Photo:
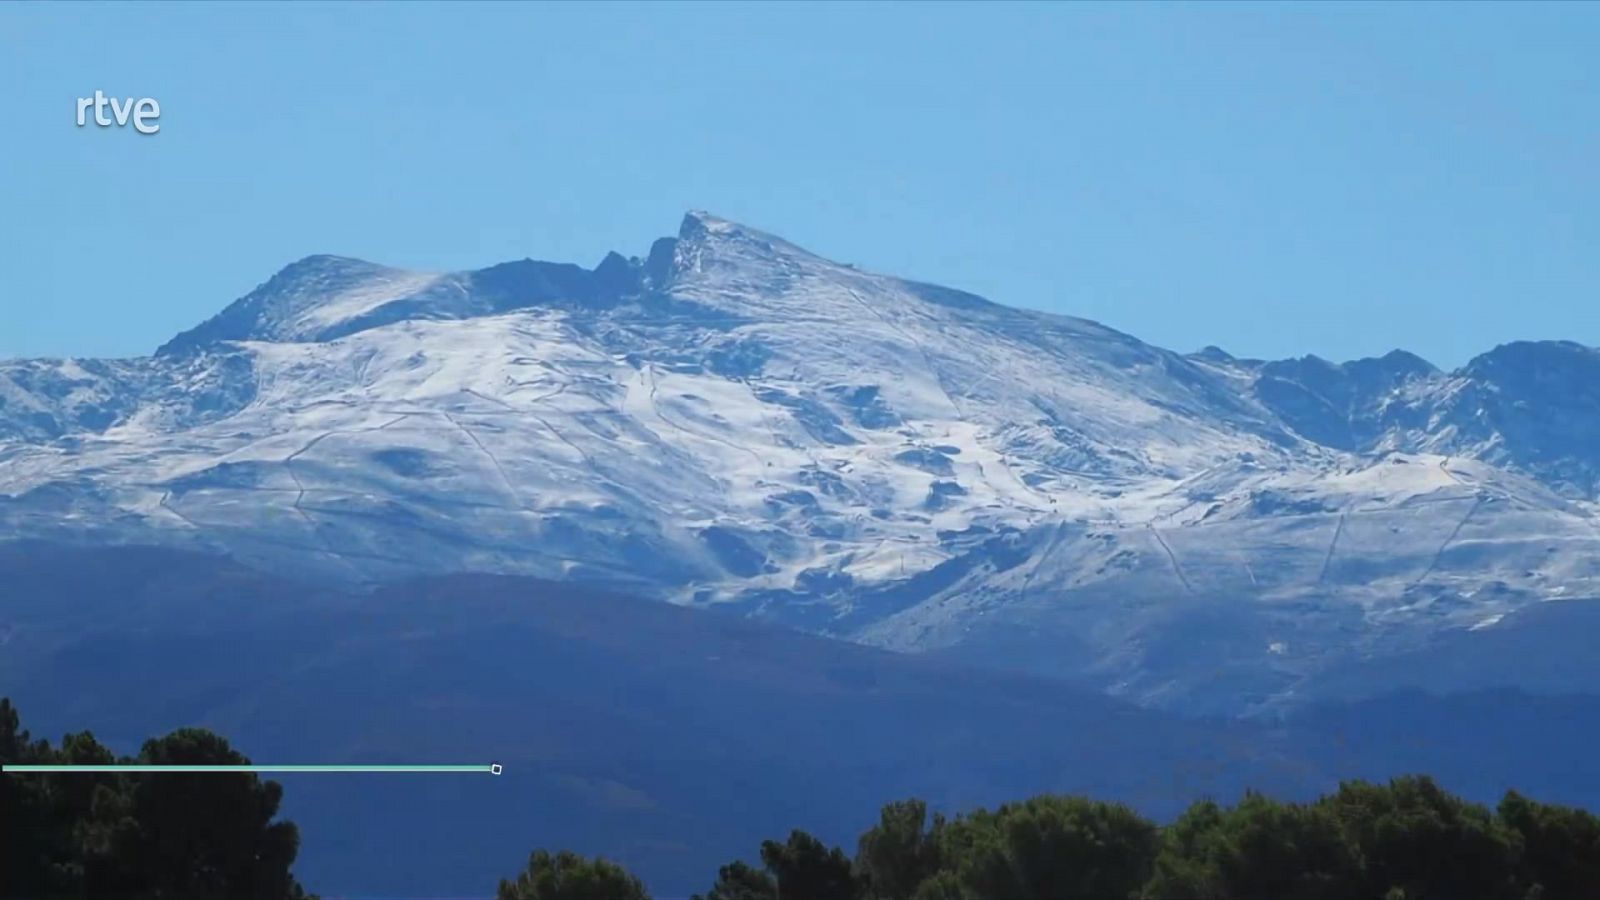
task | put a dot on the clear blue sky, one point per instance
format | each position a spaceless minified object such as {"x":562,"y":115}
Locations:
{"x":1275,"y":179}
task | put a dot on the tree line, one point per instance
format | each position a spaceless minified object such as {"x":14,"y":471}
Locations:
{"x":1405,"y":840}
{"x":173,"y":835}
{"x":138,"y":836}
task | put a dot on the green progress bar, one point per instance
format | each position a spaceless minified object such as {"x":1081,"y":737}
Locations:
{"x":490,"y":769}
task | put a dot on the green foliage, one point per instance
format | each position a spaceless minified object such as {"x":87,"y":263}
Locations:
{"x":806,"y":869}
{"x":34,"y":829}
{"x":1259,"y":850}
{"x":568,"y":876}
{"x":943,"y":886}
{"x":741,"y":881}
{"x":1412,"y":835}
{"x":1560,"y":848}
{"x":901,"y":852}
{"x":192,"y":835}
{"x":800,"y":868}
{"x":1051,"y":847}
{"x":1406,"y":840}
{"x":140,"y":836}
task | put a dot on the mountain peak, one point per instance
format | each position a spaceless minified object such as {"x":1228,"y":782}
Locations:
{"x":1405,"y":360}
{"x":319,"y":262}
{"x":696,"y":221}
{"x":704,"y":229}
{"x":709,"y":243}
{"x":1213,"y":353}
{"x":1533,"y":355}
{"x":314,"y":298}
{"x":325,"y":296}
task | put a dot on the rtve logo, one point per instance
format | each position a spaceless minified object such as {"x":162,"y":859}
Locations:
{"x":143,"y":112}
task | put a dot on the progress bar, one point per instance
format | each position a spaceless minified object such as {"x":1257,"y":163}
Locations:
{"x":488,"y":769}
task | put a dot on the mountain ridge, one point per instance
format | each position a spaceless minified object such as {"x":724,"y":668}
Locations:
{"x":734,"y":420}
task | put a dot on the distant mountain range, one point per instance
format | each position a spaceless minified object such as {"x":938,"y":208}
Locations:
{"x":670,"y":739}
{"x":732,"y":421}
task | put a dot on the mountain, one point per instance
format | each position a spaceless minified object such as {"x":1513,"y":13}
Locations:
{"x":732,"y":421}
{"x":1530,"y":406}
{"x":669,"y":738}
{"x":672,"y":739}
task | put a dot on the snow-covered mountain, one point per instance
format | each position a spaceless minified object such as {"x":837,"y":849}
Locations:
{"x":733,"y":420}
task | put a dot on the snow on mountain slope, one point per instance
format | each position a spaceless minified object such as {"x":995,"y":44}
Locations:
{"x":1530,"y":405}
{"x":1533,"y":406}
{"x":732,"y":419}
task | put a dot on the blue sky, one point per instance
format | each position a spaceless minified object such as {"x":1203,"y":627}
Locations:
{"x":1274,"y":179}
